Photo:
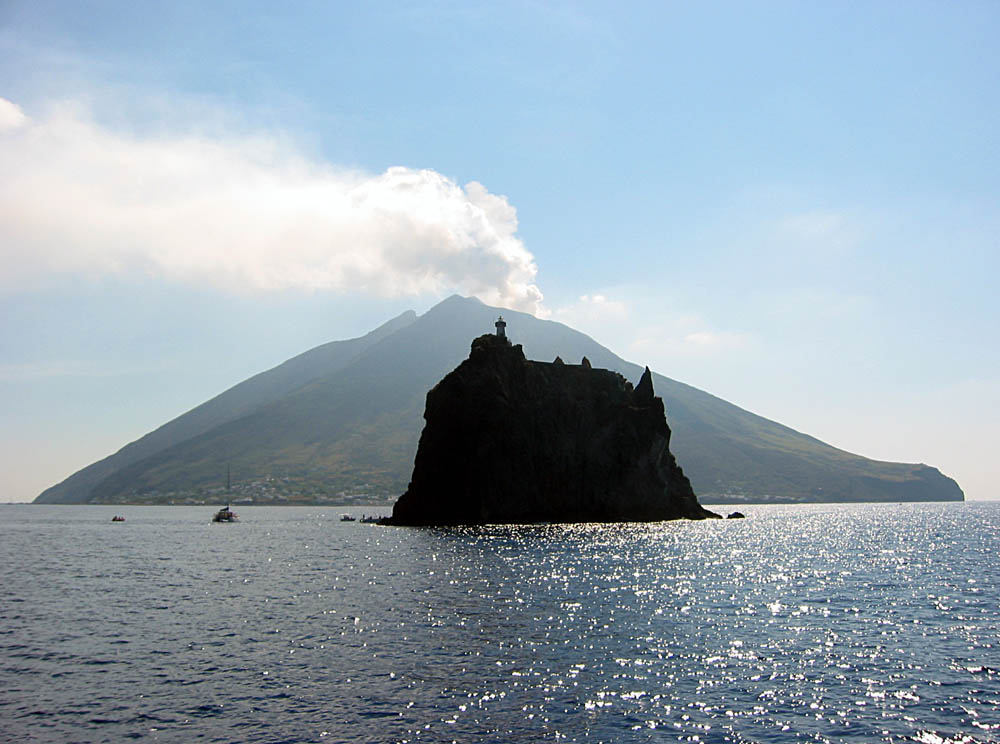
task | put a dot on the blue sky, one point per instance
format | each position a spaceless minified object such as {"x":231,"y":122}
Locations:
{"x":791,"y":205}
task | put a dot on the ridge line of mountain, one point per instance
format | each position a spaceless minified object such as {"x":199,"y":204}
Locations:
{"x":348,"y":431}
{"x":149,"y":444}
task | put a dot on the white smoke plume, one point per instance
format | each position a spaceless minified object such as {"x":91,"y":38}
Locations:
{"x":246,"y":213}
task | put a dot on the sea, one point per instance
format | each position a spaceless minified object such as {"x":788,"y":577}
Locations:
{"x":809,"y":623}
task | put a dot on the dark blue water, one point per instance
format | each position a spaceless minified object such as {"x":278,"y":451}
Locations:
{"x":820,"y":623}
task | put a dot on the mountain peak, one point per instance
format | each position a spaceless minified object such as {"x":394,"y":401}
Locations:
{"x":457,"y":299}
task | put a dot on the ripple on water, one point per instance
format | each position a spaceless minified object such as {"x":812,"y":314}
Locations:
{"x":834,"y":623}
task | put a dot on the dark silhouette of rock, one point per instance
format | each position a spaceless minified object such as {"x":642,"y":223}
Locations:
{"x":557,"y":360}
{"x":508,"y":440}
{"x":585,"y":363}
{"x":644,"y":390}
{"x":736,"y":515}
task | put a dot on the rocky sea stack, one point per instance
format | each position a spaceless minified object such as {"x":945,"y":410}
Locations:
{"x":507,"y":440}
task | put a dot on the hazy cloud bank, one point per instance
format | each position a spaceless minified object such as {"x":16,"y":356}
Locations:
{"x":645,"y":327}
{"x":244,"y":213}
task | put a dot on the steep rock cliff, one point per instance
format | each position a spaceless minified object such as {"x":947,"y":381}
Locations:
{"x":508,"y":440}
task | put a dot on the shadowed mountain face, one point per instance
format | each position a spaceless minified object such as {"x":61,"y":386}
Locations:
{"x":341,"y":423}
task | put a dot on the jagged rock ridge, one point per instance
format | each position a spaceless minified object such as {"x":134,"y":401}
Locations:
{"x":508,"y":440}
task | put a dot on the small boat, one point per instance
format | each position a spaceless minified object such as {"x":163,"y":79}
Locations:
{"x":225,"y":514}
{"x":117,"y":518}
{"x":366,"y":519}
{"x":347,"y":518}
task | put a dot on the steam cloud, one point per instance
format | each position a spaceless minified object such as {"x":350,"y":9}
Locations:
{"x":246,"y":213}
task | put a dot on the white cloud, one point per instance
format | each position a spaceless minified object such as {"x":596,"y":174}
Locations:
{"x":703,"y":339}
{"x":592,"y":308}
{"x":245,"y":213}
{"x":669,"y":341}
{"x":646,"y":328}
{"x":11,"y":116}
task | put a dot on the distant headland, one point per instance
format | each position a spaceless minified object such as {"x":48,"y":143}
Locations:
{"x":508,"y":440}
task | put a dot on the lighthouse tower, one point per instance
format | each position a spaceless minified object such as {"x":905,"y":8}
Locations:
{"x":501,"y":325}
